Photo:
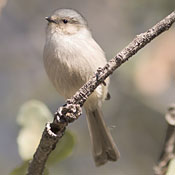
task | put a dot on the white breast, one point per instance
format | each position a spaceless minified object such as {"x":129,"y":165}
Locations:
{"x":70,"y":60}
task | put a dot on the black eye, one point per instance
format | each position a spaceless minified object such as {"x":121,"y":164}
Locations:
{"x":65,"y":21}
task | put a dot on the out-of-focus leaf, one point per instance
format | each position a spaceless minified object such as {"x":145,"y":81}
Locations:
{"x":22,"y":169}
{"x":63,"y":149}
{"x":154,"y":72}
{"x":33,"y":111}
{"x":32,"y":117}
{"x":2,"y":4}
{"x":171,"y":167}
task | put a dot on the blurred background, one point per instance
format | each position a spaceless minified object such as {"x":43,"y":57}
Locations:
{"x":141,"y":89}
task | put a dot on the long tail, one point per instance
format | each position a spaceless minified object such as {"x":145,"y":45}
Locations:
{"x":103,"y":145}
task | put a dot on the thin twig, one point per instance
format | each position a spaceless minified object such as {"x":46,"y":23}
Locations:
{"x":168,"y":152}
{"x":72,"y":109}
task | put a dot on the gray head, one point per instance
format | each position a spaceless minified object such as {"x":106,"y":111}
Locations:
{"x":66,"y":21}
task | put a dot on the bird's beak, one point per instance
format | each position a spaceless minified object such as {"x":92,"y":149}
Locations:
{"x":49,"y":19}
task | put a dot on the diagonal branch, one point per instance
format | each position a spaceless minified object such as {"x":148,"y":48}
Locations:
{"x":72,"y":109}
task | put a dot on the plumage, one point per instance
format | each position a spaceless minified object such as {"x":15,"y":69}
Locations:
{"x":71,"y":56}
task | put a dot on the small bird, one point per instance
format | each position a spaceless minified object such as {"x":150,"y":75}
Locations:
{"x":71,"y":56}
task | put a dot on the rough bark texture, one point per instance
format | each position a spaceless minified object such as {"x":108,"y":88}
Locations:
{"x":72,"y":109}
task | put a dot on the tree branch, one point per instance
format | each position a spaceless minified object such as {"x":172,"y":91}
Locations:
{"x":72,"y":109}
{"x":168,"y":152}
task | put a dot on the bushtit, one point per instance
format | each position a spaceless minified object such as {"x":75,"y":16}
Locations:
{"x":71,"y":56}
